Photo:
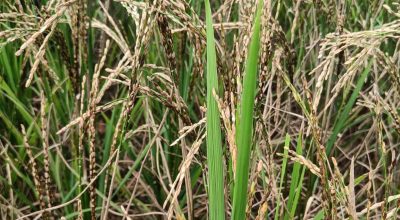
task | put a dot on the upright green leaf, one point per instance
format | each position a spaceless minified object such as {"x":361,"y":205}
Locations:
{"x":245,"y":125}
{"x":296,"y":182}
{"x":214,"y":147}
{"x":283,"y":173}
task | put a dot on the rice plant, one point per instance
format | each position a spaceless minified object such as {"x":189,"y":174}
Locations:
{"x":178,"y":109}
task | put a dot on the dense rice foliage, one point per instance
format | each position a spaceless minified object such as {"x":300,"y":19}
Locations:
{"x":199,"y":109}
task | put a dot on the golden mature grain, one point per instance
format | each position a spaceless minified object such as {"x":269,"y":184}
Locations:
{"x":40,"y":54}
{"x":306,"y":162}
{"x":92,"y":162}
{"x":34,"y":168}
{"x":266,"y":49}
{"x":92,"y":130}
{"x":86,"y":115}
{"x":247,"y":10}
{"x":80,"y":212}
{"x":177,"y":184}
{"x":82,"y":30}
{"x":167,"y":42}
{"x":45,"y":144}
{"x":254,"y":174}
{"x":81,"y":155}
{"x":61,"y":8}
{"x":229,"y":129}
{"x":75,"y":67}
{"x":198,"y":66}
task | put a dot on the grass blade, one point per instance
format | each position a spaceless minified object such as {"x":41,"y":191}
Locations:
{"x":343,"y":116}
{"x":245,"y":125}
{"x":283,"y":172}
{"x":320,"y":215}
{"x":296,"y":182}
{"x":214,"y":147}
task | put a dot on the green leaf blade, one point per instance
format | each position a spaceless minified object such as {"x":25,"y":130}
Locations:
{"x":245,"y":125}
{"x":214,"y":146}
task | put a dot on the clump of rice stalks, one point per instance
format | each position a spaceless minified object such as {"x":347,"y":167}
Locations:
{"x":105,"y":111}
